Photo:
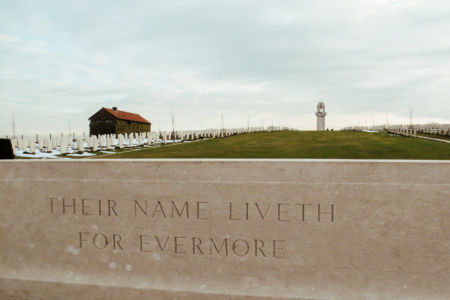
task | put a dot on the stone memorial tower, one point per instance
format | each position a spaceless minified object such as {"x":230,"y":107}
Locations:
{"x":321,"y":116}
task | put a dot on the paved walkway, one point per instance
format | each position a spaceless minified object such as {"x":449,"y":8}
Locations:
{"x":433,"y":139}
{"x":421,"y":137}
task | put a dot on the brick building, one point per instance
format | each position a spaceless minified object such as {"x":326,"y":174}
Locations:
{"x":113,"y":121}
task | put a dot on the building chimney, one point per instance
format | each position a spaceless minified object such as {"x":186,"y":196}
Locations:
{"x":115,"y":108}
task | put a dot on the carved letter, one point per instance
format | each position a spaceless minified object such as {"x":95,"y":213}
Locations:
{"x":280,"y":212}
{"x":136,"y":205}
{"x":51,"y":204}
{"x":185,"y":206}
{"x":178,"y":245}
{"x":67,"y":206}
{"x":111,"y":207}
{"x":275,"y":248}
{"x":259,"y":247}
{"x":141,"y":239}
{"x":84,"y":207}
{"x":265,"y":213}
{"x":160,"y":210}
{"x":159,"y":243}
{"x":235,"y":247}
{"x":224,"y":243}
{"x":104,"y":238}
{"x":303,"y":210}
{"x":116,"y":241}
{"x":201,"y":210}
{"x":196,"y":242}
{"x":231,"y":211}
{"x":81,"y":238}
{"x":325,"y":213}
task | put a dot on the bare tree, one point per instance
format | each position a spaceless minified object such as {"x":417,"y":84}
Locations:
{"x":222,"y":126}
{"x":70,"y":130}
{"x":172,"y":118}
{"x":14,"y":127}
{"x":410,"y":118}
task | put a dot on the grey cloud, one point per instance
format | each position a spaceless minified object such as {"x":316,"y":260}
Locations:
{"x":265,"y":59}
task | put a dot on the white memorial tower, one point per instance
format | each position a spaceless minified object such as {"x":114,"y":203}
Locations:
{"x":321,"y":116}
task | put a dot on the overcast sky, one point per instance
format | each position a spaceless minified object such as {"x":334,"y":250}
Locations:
{"x":267,"y":61}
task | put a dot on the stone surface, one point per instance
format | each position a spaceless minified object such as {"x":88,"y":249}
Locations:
{"x":314,"y":229}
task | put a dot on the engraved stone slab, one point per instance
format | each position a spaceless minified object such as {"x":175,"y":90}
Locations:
{"x":221,"y":229}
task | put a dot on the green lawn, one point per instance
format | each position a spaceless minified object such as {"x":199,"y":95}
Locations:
{"x":301,"y":144}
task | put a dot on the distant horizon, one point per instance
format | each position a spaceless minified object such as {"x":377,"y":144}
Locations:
{"x":370,"y":62}
{"x":57,"y":133}
{"x":389,"y":120}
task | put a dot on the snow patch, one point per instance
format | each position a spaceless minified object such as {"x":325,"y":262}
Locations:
{"x":156,"y":256}
{"x":81,"y":154}
{"x":112,"y":265}
{"x":72,"y":250}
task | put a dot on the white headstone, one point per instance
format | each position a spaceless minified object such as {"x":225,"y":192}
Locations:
{"x":32,"y":146}
{"x":120,"y":141}
{"x":108,"y":143}
{"x":50,"y":145}
{"x":63,"y":147}
{"x":95,"y":144}
{"x":80,"y":145}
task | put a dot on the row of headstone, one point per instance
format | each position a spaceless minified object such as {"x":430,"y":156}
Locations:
{"x":404,"y":131}
{"x":439,"y":131}
{"x":44,"y":145}
{"x":433,"y":128}
{"x":71,"y":143}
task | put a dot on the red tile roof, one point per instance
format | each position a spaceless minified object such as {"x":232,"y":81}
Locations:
{"x":123,"y":115}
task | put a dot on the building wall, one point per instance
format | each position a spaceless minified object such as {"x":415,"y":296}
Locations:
{"x":102,"y":123}
{"x":99,"y":127}
{"x":123,"y":126}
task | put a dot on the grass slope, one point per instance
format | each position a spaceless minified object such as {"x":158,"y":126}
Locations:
{"x":301,"y":144}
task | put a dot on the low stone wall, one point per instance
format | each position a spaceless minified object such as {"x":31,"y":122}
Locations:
{"x":6,"y":149}
{"x":208,"y":229}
